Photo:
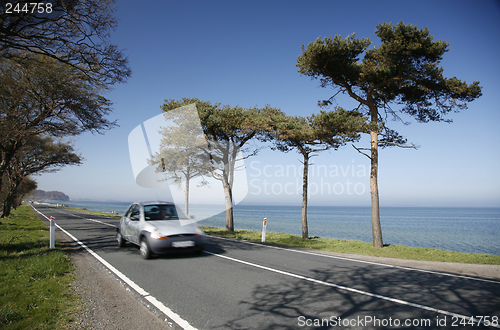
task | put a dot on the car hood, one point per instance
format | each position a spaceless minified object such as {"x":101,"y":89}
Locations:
{"x":174,"y":227}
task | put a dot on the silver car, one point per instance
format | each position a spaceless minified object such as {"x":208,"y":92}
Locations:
{"x":159,"y":228}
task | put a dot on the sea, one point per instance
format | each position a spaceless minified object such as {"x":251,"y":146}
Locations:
{"x":475,"y":229}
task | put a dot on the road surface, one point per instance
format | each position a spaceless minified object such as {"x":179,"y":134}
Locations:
{"x":239,"y":285}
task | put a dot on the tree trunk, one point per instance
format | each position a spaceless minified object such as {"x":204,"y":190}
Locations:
{"x":6,"y":154}
{"x":305,"y":231}
{"x":376,"y":228}
{"x":228,"y":196}
{"x":7,"y":206}
{"x":10,"y":198}
{"x":186,"y":197}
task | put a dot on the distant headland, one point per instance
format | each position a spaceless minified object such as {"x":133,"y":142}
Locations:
{"x":41,"y":195}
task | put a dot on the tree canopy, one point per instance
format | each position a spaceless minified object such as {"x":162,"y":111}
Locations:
{"x":403,"y":70}
{"x":37,"y":155}
{"x":56,"y":61}
{"x":72,"y":32}
{"x":227,"y":130}
{"x":399,"y":76}
{"x":51,"y":99}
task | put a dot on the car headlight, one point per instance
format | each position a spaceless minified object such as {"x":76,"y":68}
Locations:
{"x":156,"y":234}
{"x":200,"y":231}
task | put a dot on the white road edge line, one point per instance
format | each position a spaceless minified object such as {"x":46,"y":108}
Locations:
{"x":98,"y":221}
{"x":341,"y":287}
{"x":363,"y":261}
{"x":164,"y":309}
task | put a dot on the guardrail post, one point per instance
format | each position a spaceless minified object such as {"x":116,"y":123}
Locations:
{"x":52,"y":233}
{"x":264,"y":225}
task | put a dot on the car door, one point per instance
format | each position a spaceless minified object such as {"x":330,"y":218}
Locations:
{"x":134,"y":224}
{"x":125,"y":223}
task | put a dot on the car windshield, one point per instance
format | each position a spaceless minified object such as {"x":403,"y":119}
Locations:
{"x":162,"y":212}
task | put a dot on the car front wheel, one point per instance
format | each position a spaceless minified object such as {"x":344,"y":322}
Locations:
{"x":121,"y":241}
{"x":144,"y":247}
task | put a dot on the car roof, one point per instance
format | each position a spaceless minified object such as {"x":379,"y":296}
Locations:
{"x":155,"y":203}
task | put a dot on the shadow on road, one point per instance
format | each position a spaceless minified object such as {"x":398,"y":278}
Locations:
{"x":296,"y":303}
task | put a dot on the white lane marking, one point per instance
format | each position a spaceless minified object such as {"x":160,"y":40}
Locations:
{"x":167,"y":311}
{"x":363,"y":261}
{"x":341,"y":287}
{"x":94,"y":220}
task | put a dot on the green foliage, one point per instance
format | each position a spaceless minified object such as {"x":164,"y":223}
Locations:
{"x":35,"y":291}
{"x":37,"y":155}
{"x":357,"y":247}
{"x":228,"y":123}
{"x":54,"y":67}
{"x":42,"y":98}
{"x":40,"y":95}
{"x":329,"y":59}
{"x":76,"y":33}
{"x":317,"y":132}
{"x":404,"y":69}
{"x":227,"y":130}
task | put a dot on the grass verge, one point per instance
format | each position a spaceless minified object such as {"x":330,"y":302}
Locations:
{"x":357,"y":247}
{"x":36,"y":281}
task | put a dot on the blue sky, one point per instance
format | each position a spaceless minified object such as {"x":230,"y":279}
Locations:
{"x":244,"y":53}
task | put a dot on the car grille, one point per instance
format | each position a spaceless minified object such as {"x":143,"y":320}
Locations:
{"x":183,"y":235}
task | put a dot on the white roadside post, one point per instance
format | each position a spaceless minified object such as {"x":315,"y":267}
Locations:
{"x":264,"y":225}
{"x":52,"y":233}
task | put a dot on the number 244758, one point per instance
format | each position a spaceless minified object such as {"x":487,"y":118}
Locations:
{"x":28,"y":7}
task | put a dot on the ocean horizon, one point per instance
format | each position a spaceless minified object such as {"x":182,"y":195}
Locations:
{"x":462,"y":229}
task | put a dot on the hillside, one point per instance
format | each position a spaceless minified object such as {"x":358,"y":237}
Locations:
{"x":41,"y":195}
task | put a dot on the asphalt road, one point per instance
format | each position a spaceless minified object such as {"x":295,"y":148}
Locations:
{"x":238,"y":285}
